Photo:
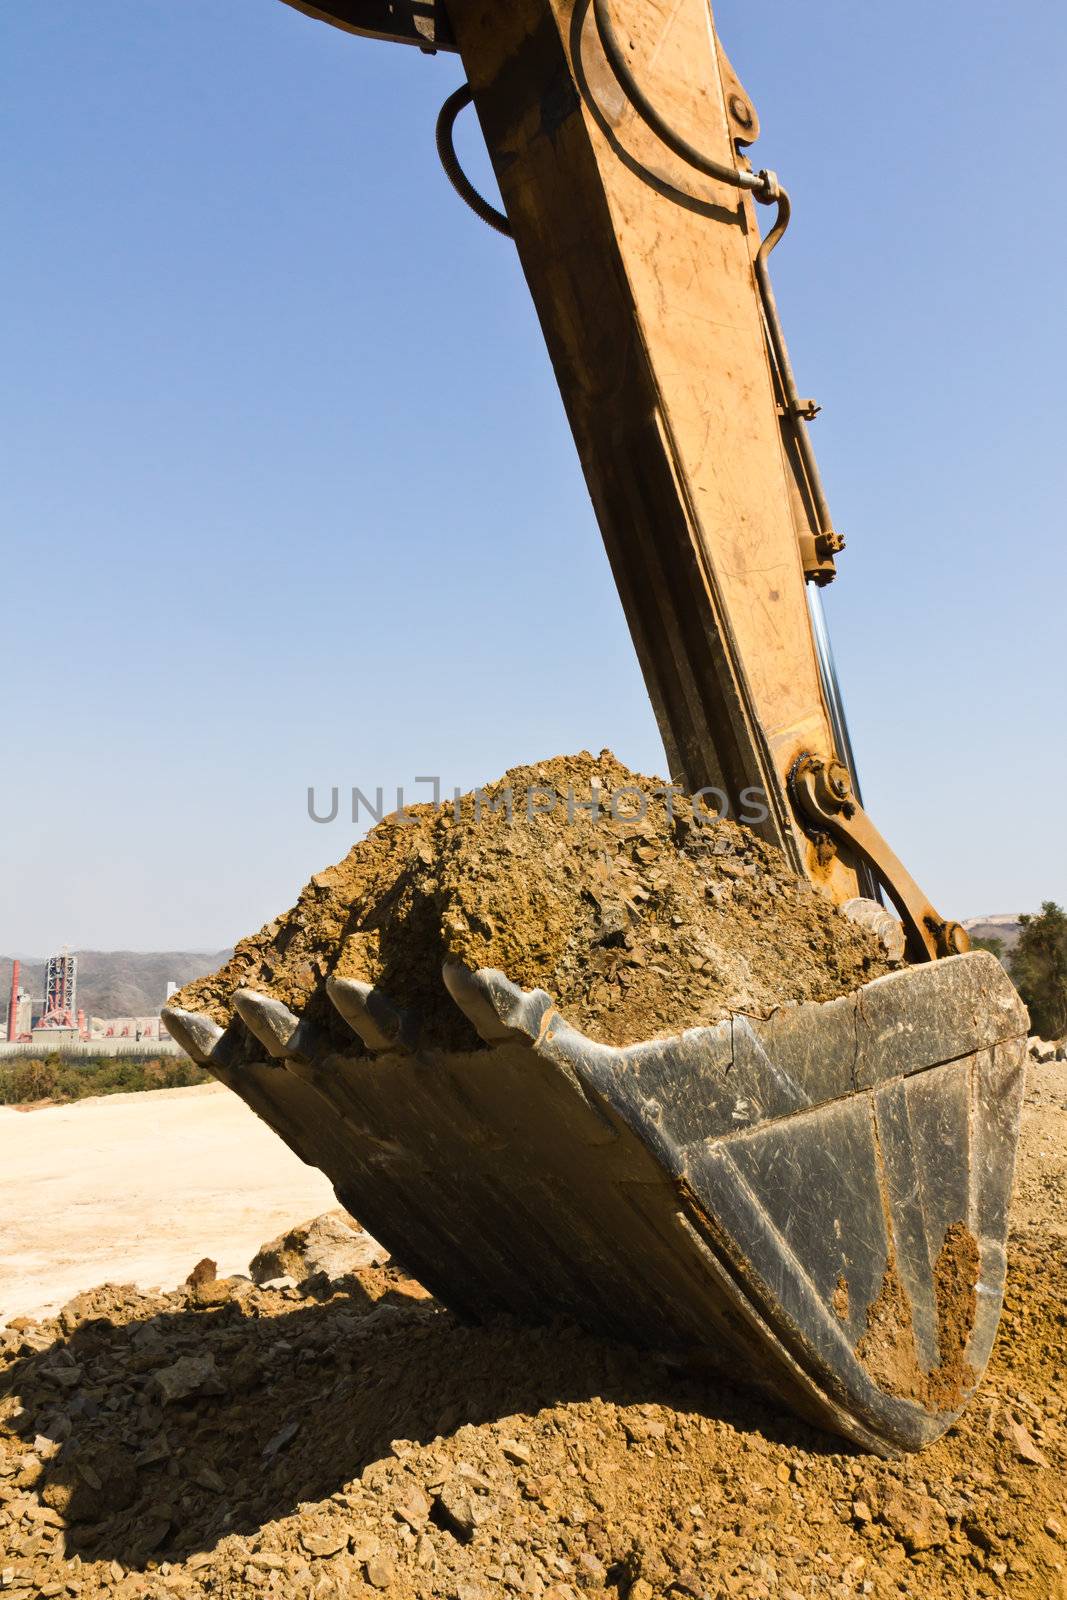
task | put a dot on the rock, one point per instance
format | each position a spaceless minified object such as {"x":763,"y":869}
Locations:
{"x":205,"y":1271}
{"x":1022,"y":1444}
{"x":1042,"y":1050}
{"x":157,"y":1448}
{"x":280,"y":1439}
{"x":412,"y":1506}
{"x":592,"y":1570}
{"x":63,"y":1370}
{"x":268,"y":1561}
{"x":365,"y":1546}
{"x":380,"y":1570}
{"x":471,"y":1475}
{"x":28,"y":1471}
{"x":640,"y":1430}
{"x":324,"y":1545}
{"x":332,"y":1244}
{"x":152,"y":1528}
{"x":976,"y":1531}
{"x":519,"y":1453}
{"x":455,"y":1508}
{"x":87,"y":1484}
{"x":218,"y":1291}
{"x":916,"y":1520}
{"x":189,"y":1378}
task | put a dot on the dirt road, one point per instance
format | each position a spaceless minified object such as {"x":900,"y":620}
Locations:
{"x":136,"y":1188}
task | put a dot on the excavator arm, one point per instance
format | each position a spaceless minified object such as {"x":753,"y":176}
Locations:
{"x":618,"y":136}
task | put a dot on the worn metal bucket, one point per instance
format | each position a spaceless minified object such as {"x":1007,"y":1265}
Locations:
{"x":816,"y":1203}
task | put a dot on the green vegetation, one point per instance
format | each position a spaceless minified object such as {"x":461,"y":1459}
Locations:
{"x":994,"y":946}
{"x":63,"y":1078}
{"x":1038,"y":966}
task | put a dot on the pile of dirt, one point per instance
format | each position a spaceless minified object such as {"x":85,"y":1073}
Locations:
{"x":638,"y":916}
{"x":352,"y":1439}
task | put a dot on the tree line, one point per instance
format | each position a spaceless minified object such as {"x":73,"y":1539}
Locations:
{"x":1038,"y":968}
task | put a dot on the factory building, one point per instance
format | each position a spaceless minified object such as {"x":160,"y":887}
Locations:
{"x":147,"y":1028}
{"x":63,"y":1024}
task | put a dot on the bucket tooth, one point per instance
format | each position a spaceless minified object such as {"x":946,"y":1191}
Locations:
{"x":196,"y":1033}
{"x":371,"y":1015}
{"x":499,"y":1011}
{"x":278,"y":1030}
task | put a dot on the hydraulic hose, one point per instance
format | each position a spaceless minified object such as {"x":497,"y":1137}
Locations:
{"x":446,"y":149}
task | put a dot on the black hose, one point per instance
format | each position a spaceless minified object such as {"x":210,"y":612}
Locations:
{"x":790,"y":393}
{"x":446,"y":149}
{"x":762,"y":184}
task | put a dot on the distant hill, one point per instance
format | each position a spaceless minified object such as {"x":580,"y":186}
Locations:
{"x":1005,"y":928}
{"x":118,"y":983}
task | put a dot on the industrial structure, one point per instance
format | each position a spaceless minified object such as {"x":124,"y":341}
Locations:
{"x":62,"y":1024}
{"x":19,"y":1009}
{"x":148,"y":1029}
{"x":60,"y":992}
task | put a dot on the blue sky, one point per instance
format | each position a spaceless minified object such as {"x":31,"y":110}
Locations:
{"x":289,"y":498}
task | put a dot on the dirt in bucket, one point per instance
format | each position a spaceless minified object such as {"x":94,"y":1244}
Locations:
{"x":638,"y":916}
{"x":575,"y":876}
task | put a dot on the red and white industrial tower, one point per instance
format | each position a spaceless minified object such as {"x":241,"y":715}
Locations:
{"x":13,"y":1008}
{"x":60,"y":991}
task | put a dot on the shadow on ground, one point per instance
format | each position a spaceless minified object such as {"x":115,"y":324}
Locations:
{"x":290,"y":1408}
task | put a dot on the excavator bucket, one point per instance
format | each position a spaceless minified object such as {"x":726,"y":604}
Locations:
{"x":815,"y":1203}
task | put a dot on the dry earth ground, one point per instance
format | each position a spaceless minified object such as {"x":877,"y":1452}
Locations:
{"x":353,"y":1440}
